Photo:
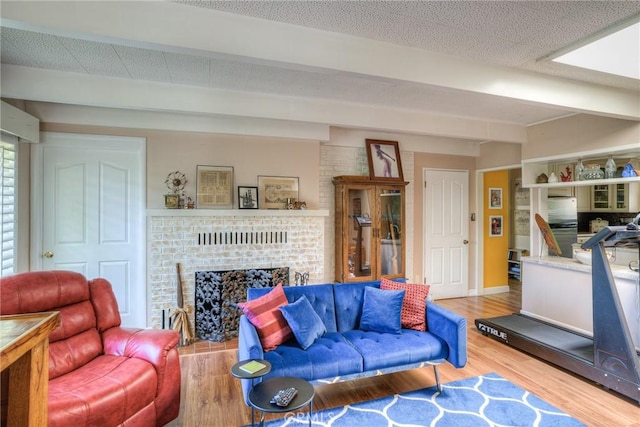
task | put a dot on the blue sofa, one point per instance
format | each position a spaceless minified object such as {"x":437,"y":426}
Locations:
{"x":346,"y":353}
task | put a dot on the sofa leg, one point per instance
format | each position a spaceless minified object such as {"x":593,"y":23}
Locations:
{"x":438,"y":383}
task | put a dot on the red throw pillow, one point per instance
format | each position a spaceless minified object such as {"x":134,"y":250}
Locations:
{"x":264,"y":314}
{"x":413,"y":314}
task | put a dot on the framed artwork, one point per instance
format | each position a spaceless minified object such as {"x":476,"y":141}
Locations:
{"x":277,"y":192}
{"x":495,"y":198}
{"x":247,"y":197}
{"x":495,"y":225}
{"x":171,"y":201}
{"x":384,"y":160}
{"x":214,"y":187}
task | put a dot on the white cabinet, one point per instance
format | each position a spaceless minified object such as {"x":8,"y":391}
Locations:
{"x":615,"y":197}
{"x":583,"y":196}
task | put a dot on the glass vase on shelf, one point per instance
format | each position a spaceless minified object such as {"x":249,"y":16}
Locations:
{"x":579,"y":170}
{"x":610,"y":168}
{"x":593,"y":172}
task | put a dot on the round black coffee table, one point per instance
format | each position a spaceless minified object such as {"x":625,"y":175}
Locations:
{"x":260,"y":396}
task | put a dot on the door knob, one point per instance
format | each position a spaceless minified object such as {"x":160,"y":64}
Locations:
{"x":466,"y":242}
{"x":48,"y":254}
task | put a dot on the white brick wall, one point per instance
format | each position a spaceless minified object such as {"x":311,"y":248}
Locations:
{"x":174,"y":239}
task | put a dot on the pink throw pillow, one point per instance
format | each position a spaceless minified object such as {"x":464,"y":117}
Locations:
{"x":264,"y":314}
{"x":414,"y":306}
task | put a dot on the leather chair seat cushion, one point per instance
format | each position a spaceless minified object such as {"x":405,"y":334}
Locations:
{"x":329,"y":356}
{"x":380,"y":350}
{"x":106,"y":391}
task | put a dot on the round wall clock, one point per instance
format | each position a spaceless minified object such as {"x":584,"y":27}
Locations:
{"x":175,"y":181}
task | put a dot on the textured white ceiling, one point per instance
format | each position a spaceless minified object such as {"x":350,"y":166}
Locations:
{"x":505,"y":33}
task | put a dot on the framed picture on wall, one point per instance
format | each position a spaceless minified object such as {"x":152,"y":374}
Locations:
{"x":384,"y":160}
{"x":214,"y":187}
{"x":495,"y":225}
{"x":277,"y":192}
{"x":247,"y":197}
{"x":495,"y":198}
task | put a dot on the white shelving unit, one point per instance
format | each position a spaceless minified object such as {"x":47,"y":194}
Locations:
{"x":514,"y":262}
{"x":532,"y":168}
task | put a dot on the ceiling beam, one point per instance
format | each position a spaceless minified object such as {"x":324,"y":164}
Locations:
{"x":33,"y":84}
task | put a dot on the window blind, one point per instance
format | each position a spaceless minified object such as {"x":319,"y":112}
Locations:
{"x":8,"y":200}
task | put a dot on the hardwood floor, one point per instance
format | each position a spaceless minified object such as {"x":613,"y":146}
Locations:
{"x":211,"y":397}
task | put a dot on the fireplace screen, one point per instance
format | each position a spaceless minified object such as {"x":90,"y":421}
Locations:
{"x":218,"y":292}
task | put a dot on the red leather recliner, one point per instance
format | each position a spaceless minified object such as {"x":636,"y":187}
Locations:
{"x":99,"y":373}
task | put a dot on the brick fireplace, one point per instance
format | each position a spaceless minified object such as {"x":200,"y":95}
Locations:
{"x":207,"y":240}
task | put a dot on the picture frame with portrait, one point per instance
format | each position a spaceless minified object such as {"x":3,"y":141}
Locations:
{"x":384,"y":160}
{"x":495,"y":225}
{"x":495,"y":198}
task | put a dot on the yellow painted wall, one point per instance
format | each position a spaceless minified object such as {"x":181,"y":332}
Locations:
{"x":496,"y":247}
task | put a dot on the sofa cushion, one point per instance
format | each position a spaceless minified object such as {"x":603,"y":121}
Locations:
{"x":304,"y":322}
{"x":414,"y":305}
{"x":320,"y":297}
{"x":349,"y":297}
{"x":381,"y":351}
{"x":46,"y":291}
{"x":264,"y":314}
{"x":381,"y":310}
{"x":106,"y":392}
{"x":330,"y":356}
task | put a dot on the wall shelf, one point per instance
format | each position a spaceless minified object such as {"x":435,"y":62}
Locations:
{"x":532,"y":168}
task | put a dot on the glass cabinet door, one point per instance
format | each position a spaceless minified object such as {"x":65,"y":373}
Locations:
{"x":600,"y":199}
{"x":620,"y":196}
{"x":360,"y":237}
{"x":390,"y":238}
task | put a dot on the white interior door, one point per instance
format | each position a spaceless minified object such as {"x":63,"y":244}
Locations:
{"x":92,"y":213}
{"x":446,"y":240}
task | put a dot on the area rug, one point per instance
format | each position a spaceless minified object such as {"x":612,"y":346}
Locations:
{"x":486,"y":400}
{"x":218,"y":292}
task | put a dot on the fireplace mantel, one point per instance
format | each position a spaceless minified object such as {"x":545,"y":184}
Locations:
{"x":238,"y":212}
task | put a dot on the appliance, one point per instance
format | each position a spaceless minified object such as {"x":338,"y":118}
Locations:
{"x":597,"y":225}
{"x":563,"y":222}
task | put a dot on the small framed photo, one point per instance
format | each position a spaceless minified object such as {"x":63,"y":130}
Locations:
{"x":171,"y":201}
{"x":495,"y":198}
{"x":247,"y":197}
{"x":277,"y":192}
{"x":495,"y":225}
{"x":214,"y":187}
{"x":384,"y":160}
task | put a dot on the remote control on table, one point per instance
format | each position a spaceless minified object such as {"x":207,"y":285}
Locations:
{"x":284,"y":396}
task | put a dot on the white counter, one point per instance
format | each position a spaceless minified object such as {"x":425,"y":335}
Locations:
{"x":558,"y":290}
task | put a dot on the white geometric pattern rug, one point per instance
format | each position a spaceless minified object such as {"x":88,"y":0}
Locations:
{"x":486,"y":400}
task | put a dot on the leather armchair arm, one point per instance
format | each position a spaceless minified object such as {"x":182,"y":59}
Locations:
{"x":151,"y":345}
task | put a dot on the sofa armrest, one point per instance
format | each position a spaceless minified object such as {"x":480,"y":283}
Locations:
{"x":249,"y":347}
{"x":452,"y":328}
{"x":151,"y":345}
{"x":157,"y":347}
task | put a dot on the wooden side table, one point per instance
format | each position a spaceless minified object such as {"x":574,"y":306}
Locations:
{"x":24,"y":351}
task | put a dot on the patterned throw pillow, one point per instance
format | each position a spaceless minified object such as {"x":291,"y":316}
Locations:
{"x":414,"y":306}
{"x":264,"y":313}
